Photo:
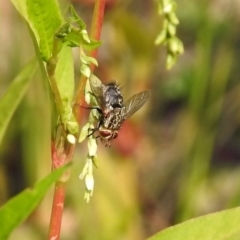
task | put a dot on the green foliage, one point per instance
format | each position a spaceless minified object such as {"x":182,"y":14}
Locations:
{"x":16,"y":210}
{"x":64,"y":74}
{"x":196,"y":123}
{"x":167,"y":36}
{"x":221,"y":226}
{"x":45,"y":19}
{"x":55,"y":39}
{"x":21,"y":6}
{"x":14,"y":94}
{"x":76,"y":36}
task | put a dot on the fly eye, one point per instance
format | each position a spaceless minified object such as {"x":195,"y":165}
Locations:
{"x":105,"y":133}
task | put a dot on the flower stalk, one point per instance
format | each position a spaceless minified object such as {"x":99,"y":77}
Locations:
{"x":62,"y":149}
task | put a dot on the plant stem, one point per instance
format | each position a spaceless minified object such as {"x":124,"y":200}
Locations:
{"x":57,"y":211}
{"x":60,"y":157}
{"x":64,"y":153}
{"x":96,"y":29}
{"x":51,"y":66}
{"x":97,"y":23}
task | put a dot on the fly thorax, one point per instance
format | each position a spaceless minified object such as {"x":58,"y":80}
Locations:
{"x":112,"y":96}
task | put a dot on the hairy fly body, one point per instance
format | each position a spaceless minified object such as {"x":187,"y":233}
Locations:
{"x":113,"y":111}
{"x":107,"y":96}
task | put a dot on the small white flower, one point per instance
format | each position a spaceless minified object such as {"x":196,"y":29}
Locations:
{"x":84,"y":132}
{"x":92,"y":146}
{"x":71,"y":138}
{"x":89,"y":181}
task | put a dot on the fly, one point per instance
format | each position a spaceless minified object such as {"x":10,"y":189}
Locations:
{"x":108,"y":96}
{"x":113,"y":111}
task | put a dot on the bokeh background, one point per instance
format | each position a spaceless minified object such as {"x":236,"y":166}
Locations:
{"x":177,"y":158}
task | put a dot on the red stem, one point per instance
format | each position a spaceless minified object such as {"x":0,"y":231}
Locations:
{"x":96,"y":29}
{"x":97,"y":23}
{"x":60,"y":157}
{"x":57,"y":211}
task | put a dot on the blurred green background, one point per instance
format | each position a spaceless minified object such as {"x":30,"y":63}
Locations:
{"x":176,"y":159}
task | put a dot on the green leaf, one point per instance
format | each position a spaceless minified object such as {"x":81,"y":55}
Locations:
{"x":21,"y":7}
{"x":14,"y":94}
{"x":76,"y":39}
{"x":79,"y":21}
{"x":72,"y":39}
{"x":65,"y":80}
{"x":64,"y":74}
{"x":223,"y":225}
{"x":93,"y":44}
{"x":45,"y":20}
{"x":18,"y":208}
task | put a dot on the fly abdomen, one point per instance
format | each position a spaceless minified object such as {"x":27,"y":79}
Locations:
{"x":114,"y":119}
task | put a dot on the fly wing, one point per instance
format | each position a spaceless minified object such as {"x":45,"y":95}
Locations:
{"x":135,"y":102}
{"x":97,"y":90}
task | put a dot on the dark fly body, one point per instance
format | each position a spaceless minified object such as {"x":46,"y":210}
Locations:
{"x":107,"y":96}
{"x":112,"y":109}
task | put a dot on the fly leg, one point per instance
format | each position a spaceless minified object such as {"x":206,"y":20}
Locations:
{"x":90,"y":108}
{"x":91,"y":131}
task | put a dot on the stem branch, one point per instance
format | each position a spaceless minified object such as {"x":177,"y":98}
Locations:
{"x":57,"y":211}
{"x":51,"y":66}
{"x":97,"y":23}
{"x":96,"y":29}
{"x":60,"y":157}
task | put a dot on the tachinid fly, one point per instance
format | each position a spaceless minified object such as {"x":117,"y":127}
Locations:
{"x":113,"y":111}
{"x":107,"y":96}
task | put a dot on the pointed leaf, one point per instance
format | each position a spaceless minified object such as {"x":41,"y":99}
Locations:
{"x":93,"y":44}
{"x":14,"y":94}
{"x":21,"y":7}
{"x":72,"y":39}
{"x":223,"y":225}
{"x":65,"y":80}
{"x":17,"y":209}
{"x":65,"y":74}
{"x":80,"y":22}
{"x":45,"y":20}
